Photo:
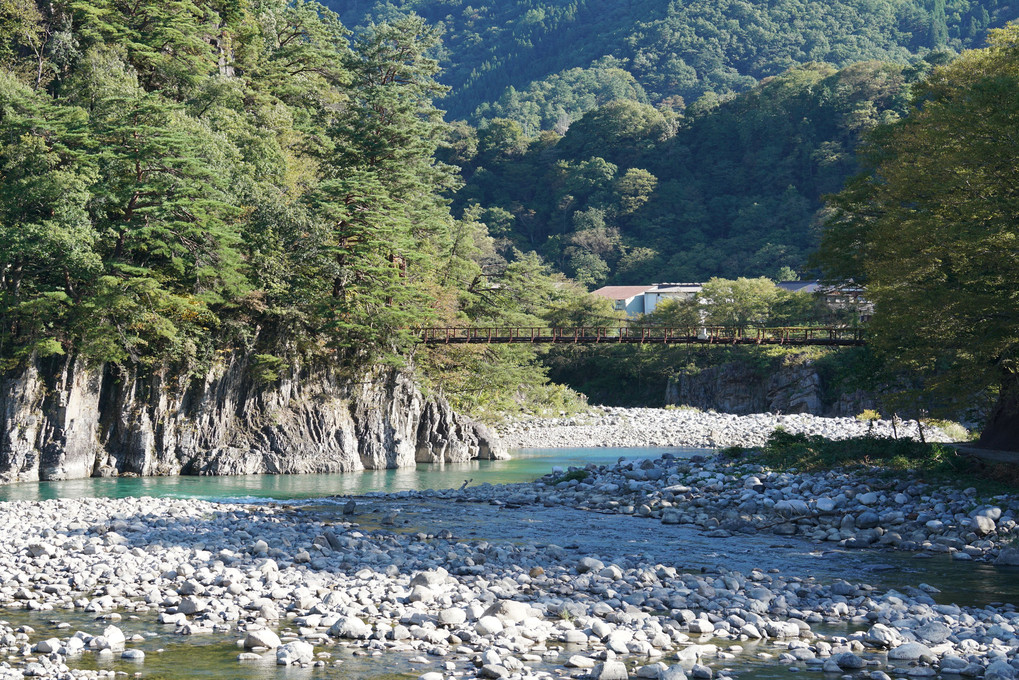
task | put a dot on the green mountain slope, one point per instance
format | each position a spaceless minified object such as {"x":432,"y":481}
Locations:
{"x":631,"y":193}
{"x":669,"y":48}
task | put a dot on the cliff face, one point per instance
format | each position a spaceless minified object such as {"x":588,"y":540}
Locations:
{"x":61,"y":419}
{"x":737,"y":387}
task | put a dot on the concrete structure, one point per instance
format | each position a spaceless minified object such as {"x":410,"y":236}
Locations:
{"x":625,"y":298}
{"x":661,"y":292}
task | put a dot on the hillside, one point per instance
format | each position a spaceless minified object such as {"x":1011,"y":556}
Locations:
{"x":547,"y":61}
{"x":631,"y":193}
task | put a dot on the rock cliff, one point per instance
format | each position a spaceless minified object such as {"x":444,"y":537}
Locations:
{"x":738,"y":387}
{"x":62,"y":419}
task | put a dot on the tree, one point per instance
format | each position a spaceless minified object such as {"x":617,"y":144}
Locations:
{"x":931,"y":230}
{"x":383,"y":189}
{"x":738,"y":303}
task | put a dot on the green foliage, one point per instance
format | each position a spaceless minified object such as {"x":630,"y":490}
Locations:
{"x":733,"y":191}
{"x":543,"y":62}
{"x":930,"y":229}
{"x":576,"y":474}
{"x":936,"y":462}
{"x":189,"y":178}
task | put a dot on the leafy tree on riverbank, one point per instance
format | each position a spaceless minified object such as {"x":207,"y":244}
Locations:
{"x":931,"y":229}
{"x":187,"y":180}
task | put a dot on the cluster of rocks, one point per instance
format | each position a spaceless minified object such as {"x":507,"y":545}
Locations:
{"x":851,"y":509}
{"x":622,"y":427}
{"x":287,"y":584}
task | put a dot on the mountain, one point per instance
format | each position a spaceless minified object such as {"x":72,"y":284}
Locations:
{"x":631,"y":193}
{"x":546,"y":61}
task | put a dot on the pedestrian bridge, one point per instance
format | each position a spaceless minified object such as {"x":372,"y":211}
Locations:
{"x":829,"y":336}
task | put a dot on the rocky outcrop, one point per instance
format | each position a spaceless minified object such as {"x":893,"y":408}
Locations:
{"x":741,"y":388}
{"x":63,"y":419}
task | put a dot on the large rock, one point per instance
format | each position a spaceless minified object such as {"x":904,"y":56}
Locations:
{"x":911,"y":651}
{"x":1008,"y":557}
{"x":261,"y":637}
{"x":295,"y":653}
{"x":350,"y":628}
{"x":510,"y":610}
{"x":610,"y":670}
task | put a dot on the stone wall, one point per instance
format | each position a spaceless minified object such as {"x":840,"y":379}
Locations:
{"x":63,"y":419}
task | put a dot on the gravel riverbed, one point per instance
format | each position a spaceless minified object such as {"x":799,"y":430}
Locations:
{"x":620,"y":427}
{"x":299,"y":589}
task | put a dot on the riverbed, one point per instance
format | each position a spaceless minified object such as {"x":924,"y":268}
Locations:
{"x":426,"y":524}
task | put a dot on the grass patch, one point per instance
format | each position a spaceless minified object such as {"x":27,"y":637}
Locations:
{"x":933,"y":462}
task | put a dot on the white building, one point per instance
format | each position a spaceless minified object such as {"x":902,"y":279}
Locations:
{"x":636,"y":300}
{"x":625,"y":298}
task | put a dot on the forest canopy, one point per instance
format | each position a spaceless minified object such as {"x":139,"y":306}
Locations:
{"x":180,"y":180}
{"x":544,"y":62}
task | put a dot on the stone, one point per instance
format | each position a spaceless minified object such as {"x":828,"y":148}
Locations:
{"x":701,"y":672}
{"x":983,"y":525}
{"x":586,"y":564}
{"x":191,"y":605}
{"x":509,"y":610}
{"x":999,"y":670}
{"x":114,"y":636}
{"x":867,"y":520}
{"x":610,"y":670}
{"x":493,"y":671}
{"x":488,"y":625}
{"x":882,"y":636}
{"x":451,"y":617}
{"x":350,"y":628}
{"x":672,"y":516}
{"x":701,"y":626}
{"x":261,"y":637}
{"x":580,"y":661}
{"x":824,"y":504}
{"x":674,"y":672}
{"x":910,"y":651}
{"x":295,"y":653}
{"x":933,"y":633}
{"x":47,"y":646}
{"x":1008,"y":557}
{"x":133,"y":655}
{"x":848,"y":661}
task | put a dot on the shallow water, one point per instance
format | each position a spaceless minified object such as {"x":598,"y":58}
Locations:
{"x":525,"y":466}
{"x":610,"y":537}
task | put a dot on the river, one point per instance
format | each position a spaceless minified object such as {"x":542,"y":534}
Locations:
{"x":579,"y":532}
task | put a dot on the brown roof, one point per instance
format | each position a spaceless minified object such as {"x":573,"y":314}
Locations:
{"x":620,"y":292}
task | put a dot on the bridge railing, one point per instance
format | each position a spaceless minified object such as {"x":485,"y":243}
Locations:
{"x":819,"y":335}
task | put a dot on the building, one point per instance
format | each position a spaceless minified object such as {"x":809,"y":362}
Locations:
{"x":625,"y":298}
{"x":660,"y":292}
{"x":636,"y":300}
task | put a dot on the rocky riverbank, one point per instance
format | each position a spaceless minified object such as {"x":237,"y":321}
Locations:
{"x":622,"y":427}
{"x":301,"y":589}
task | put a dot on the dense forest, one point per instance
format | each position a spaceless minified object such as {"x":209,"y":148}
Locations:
{"x":186,"y":180}
{"x":632,"y":194}
{"x":547,"y":62}
{"x":179,"y":180}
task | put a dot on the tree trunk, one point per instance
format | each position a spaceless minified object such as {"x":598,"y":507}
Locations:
{"x":1002,"y":431}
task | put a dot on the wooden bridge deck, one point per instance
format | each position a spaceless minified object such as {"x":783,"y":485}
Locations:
{"x":702,"y":335}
